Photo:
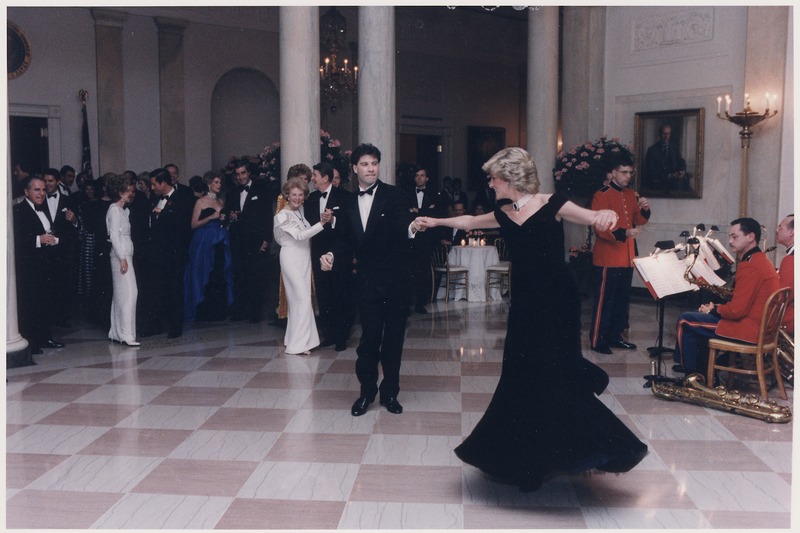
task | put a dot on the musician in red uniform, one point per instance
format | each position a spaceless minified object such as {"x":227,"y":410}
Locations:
{"x":613,"y":255}
{"x":739,"y":319}
{"x":784,"y":235}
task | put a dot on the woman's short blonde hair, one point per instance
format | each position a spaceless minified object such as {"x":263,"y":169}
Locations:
{"x":294,"y":183}
{"x":516,"y":166}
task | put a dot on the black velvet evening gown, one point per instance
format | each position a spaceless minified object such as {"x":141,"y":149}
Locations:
{"x":544,"y":418}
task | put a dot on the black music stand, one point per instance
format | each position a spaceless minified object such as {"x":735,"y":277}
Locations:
{"x":659,"y":349}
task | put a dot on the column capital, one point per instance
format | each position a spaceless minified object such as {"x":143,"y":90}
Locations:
{"x":108,"y":17}
{"x":171,"y":25}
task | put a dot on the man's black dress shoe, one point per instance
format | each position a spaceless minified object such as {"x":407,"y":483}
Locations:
{"x":625,"y":345}
{"x":421,"y":310}
{"x":52,"y":344}
{"x":602,"y":348}
{"x":392,"y":405}
{"x":325,"y":343}
{"x":340,"y":346}
{"x":361,"y":406}
{"x":679,"y":368}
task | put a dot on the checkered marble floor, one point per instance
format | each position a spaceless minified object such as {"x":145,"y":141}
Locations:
{"x":220,"y":429}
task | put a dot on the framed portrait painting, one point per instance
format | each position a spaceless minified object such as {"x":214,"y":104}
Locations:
{"x":482,"y":143}
{"x":669,"y":153}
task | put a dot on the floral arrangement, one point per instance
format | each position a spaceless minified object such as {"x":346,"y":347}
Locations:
{"x":267,"y":164}
{"x":581,"y":170}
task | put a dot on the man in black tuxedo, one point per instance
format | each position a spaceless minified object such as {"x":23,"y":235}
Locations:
{"x":61,"y":212}
{"x":334,"y":287}
{"x":249,"y":211}
{"x":35,"y":252}
{"x":168,"y":248}
{"x":378,"y":227}
{"x":423,"y":201}
{"x":452,"y":236}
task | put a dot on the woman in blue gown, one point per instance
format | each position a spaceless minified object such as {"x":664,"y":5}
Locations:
{"x":544,"y":418}
{"x":208,"y":281}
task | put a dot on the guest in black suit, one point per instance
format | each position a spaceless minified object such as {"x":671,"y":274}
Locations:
{"x":167,"y":254}
{"x":452,"y":236}
{"x":35,"y":252}
{"x":334,"y":287}
{"x":423,"y":201}
{"x":60,"y":210}
{"x":249,"y":211}
{"x":378,"y":226}
{"x":665,"y":169}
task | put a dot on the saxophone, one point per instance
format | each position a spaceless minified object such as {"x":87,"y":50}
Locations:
{"x":693,"y":389}
{"x":723,"y":292}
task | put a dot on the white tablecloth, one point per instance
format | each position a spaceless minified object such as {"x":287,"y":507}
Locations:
{"x":476,"y":259}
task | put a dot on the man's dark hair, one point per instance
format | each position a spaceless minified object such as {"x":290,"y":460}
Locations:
{"x":621,"y":159}
{"x":172,"y":165}
{"x":26,"y":182}
{"x":52,"y":172}
{"x":325,"y":169}
{"x":239,"y":163}
{"x":161,"y":175}
{"x":197,"y":184}
{"x":65,"y":169}
{"x":364,"y":149}
{"x":791,"y":222}
{"x":749,"y":225}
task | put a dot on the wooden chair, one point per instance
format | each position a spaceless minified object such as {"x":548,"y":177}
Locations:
{"x":456,"y":276}
{"x":765,"y":352}
{"x":499,"y":276}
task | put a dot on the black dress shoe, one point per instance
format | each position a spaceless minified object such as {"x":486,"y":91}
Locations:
{"x":624,"y":345}
{"x":52,"y":344}
{"x":325,"y":343}
{"x":361,"y":406}
{"x":340,"y":346}
{"x":421,"y":310}
{"x":679,"y":368}
{"x":392,"y":405}
{"x":602,"y":348}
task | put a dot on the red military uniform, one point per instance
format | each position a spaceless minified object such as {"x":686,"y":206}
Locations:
{"x":612,"y":248}
{"x":786,"y":276}
{"x":756,"y":280}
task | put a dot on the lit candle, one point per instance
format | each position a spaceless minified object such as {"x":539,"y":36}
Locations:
{"x":728,"y":103}
{"x":766,"y":97}
{"x":327,"y":63}
{"x":746,"y":100}
{"x":321,"y":72}
{"x":345,"y":65}
{"x":719,"y":104}
{"x":463,"y":242}
{"x":355,"y":72}
{"x":774,"y":102}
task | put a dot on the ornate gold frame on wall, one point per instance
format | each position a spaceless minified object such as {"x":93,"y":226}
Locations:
{"x":19,"y":51}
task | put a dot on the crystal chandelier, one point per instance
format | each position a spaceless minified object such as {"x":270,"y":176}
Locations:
{"x":337,"y":82}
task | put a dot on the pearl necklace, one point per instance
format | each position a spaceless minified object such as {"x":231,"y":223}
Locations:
{"x":212,"y":195}
{"x":519,"y":204}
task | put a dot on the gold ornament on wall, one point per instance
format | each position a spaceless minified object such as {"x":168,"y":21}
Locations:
{"x":19,"y":51}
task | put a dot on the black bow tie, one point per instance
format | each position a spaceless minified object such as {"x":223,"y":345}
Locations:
{"x":368,"y":191}
{"x":420,"y":190}
{"x":52,"y":195}
{"x":244,"y":188}
{"x":38,"y":207}
{"x":324,"y":194}
{"x":165,"y":197}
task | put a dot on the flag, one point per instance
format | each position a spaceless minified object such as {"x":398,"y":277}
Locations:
{"x":86,"y":161}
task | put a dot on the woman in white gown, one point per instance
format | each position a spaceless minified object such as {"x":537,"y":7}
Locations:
{"x":292,"y":231}
{"x":123,"y":303}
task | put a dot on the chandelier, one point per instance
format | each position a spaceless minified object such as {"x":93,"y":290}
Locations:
{"x":337,"y":82}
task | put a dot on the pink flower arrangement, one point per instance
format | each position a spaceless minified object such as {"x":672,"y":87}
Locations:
{"x":580,"y":170}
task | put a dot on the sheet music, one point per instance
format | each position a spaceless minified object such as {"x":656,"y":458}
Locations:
{"x":707,"y":254}
{"x":663,"y":274}
{"x":706,"y":273}
{"x":722,"y":250}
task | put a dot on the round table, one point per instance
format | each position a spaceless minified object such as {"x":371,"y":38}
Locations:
{"x":477,"y":259}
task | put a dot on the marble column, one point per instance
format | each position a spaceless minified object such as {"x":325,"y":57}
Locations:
{"x":171,"y":90}
{"x":18,"y":351}
{"x":376,"y":84}
{"x":299,"y":86}
{"x":110,"y":90}
{"x":542,"y":108}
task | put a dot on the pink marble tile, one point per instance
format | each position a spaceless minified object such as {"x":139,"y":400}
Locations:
{"x":150,"y":377}
{"x":24,"y":468}
{"x":410,"y":423}
{"x":430,"y":383}
{"x":420,"y":484}
{"x":274,"y":380}
{"x":480,"y":369}
{"x":13,"y":428}
{"x":745,"y":428}
{"x":342,"y":366}
{"x":196,"y":352}
{"x":43,"y":509}
{"x":316,"y":447}
{"x":249,"y":419}
{"x":194,"y":396}
{"x":634,"y":489}
{"x":236,"y":364}
{"x":707,"y":455}
{"x":33,"y":377}
{"x":508,"y":517}
{"x":137,"y":442}
{"x":649,"y":404}
{"x":281,"y":514}
{"x":89,"y":414}
{"x":730,"y":520}
{"x":52,"y":392}
{"x":475,"y":401}
{"x":331,"y":399}
{"x":421,"y":354}
{"x":195,"y":477}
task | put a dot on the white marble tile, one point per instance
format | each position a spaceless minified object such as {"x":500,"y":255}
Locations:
{"x":29,"y":412}
{"x":681,"y":427}
{"x":183,"y":362}
{"x":427,"y":401}
{"x":212,"y":378}
{"x":485,"y":384}
{"x":638,"y":518}
{"x":298,"y":364}
{"x":168,"y":417}
{"x":301,"y":481}
{"x":164,"y":511}
{"x":250,"y":352}
{"x":777,"y":455}
{"x":418,"y":450}
{"x":612,"y":403}
{"x":226,"y":445}
{"x":384,"y":515}
{"x":59,"y":440}
{"x":91,"y":376}
{"x":631,"y":385}
{"x":340,"y":382}
{"x":96,"y":473}
{"x":736,"y":491}
{"x":468,"y":422}
{"x":269,"y":398}
{"x":478,"y":489}
{"x":332,"y":421}
{"x":122,"y":394}
{"x":431,"y":368}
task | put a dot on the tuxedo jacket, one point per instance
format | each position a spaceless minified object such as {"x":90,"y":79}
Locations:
{"x":786,"y":275}
{"x":381,"y":251}
{"x":170,"y":231}
{"x":432,"y":206}
{"x":254,"y":223}
{"x":338,"y":200}
{"x":62,"y":228}
{"x":34,"y":265}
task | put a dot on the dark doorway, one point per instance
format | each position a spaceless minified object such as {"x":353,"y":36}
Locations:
{"x":419,"y":151}
{"x":29,"y":145}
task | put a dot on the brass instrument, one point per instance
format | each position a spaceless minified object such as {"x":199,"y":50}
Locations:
{"x":723,"y":292}
{"x":693,"y":389}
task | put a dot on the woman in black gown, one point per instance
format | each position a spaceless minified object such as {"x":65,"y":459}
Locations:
{"x":544,"y":418}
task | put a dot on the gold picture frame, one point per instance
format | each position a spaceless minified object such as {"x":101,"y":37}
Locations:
{"x":674,"y":170}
